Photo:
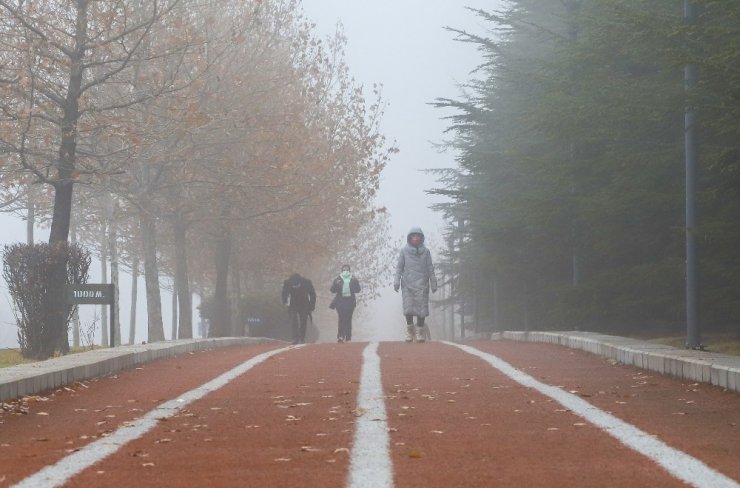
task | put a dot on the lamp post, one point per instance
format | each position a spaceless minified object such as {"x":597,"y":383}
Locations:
{"x":691,"y":77}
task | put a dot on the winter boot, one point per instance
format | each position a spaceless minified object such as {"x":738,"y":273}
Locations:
{"x":410,"y":333}
{"x":420,"y":334}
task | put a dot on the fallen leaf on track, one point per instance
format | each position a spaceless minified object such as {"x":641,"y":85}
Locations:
{"x":416,"y":454}
{"x":282,"y":460}
{"x":341,"y":449}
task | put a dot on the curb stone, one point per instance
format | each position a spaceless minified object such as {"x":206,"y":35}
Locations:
{"x":33,"y":378}
{"x":721,"y":370}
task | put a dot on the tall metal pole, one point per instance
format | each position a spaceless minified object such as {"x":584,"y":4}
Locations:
{"x":691,"y":77}
{"x":451,"y":245}
{"x":460,"y":227}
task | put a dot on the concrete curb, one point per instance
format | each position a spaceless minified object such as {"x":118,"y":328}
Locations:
{"x":701,"y":366}
{"x":33,"y":378}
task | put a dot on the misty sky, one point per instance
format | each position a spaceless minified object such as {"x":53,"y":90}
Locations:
{"x":402,"y":45}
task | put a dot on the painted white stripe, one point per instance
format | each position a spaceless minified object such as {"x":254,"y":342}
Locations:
{"x":370,"y":462}
{"x":677,"y":463}
{"x":57,"y":474}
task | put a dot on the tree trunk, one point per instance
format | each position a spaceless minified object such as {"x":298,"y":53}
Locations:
{"x":63,"y":188}
{"x":56,"y":307}
{"x":237,"y":328}
{"x":104,"y":279}
{"x":182,"y":282}
{"x":134,"y":296}
{"x":220,"y":327}
{"x":259,"y":279}
{"x":113,"y":247}
{"x":155,"y":326}
{"x":30,"y":220}
{"x":173,"y":331}
{"x":76,"y":313}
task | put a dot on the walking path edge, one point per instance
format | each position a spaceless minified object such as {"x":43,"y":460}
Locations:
{"x":721,"y":370}
{"x":33,"y":378}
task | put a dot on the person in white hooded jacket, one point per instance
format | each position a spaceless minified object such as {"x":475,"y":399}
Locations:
{"x":415,"y":277}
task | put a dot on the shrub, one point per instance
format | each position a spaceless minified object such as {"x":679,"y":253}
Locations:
{"x":26,"y":269}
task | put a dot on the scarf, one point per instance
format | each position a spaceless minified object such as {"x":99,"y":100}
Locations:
{"x":346,"y":278}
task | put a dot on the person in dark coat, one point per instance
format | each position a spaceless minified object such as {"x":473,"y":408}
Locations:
{"x":415,"y":276}
{"x":344,"y":287}
{"x":300,"y":298}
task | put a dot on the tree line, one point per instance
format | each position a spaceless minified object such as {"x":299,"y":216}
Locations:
{"x":221,"y":144}
{"x":567,"y":204}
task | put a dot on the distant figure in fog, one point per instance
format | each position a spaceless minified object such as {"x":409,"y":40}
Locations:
{"x":300,"y":298}
{"x":344,"y":288}
{"x":414,"y":276}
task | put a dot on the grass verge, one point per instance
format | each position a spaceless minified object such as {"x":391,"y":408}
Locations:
{"x":722,"y":343}
{"x":12,"y":357}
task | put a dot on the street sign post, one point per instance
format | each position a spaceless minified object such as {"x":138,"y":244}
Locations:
{"x":100,"y":294}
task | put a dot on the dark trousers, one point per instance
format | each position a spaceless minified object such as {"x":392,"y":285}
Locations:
{"x":299,"y":319}
{"x":419,"y":320}
{"x":345,"y":323}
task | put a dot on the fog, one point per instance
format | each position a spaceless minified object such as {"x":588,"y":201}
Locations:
{"x":403,"y":47}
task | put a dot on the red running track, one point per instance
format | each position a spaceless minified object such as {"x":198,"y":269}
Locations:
{"x":452,"y":420}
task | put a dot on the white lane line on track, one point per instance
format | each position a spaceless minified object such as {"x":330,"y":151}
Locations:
{"x":57,"y":474}
{"x":370,"y":462}
{"x":677,"y":463}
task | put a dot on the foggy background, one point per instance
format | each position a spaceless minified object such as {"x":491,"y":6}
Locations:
{"x":401,"y":45}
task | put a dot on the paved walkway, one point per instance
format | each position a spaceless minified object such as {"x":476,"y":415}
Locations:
{"x":702,"y":366}
{"x":33,"y":378}
{"x":721,"y":370}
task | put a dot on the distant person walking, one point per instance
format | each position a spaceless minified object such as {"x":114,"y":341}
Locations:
{"x":415,"y":276}
{"x":300,"y":298}
{"x":344,"y":287}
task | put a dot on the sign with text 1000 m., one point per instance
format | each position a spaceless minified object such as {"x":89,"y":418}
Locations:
{"x":87,"y":293}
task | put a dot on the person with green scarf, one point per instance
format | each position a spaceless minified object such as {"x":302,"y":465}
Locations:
{"x":344,"y":287}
